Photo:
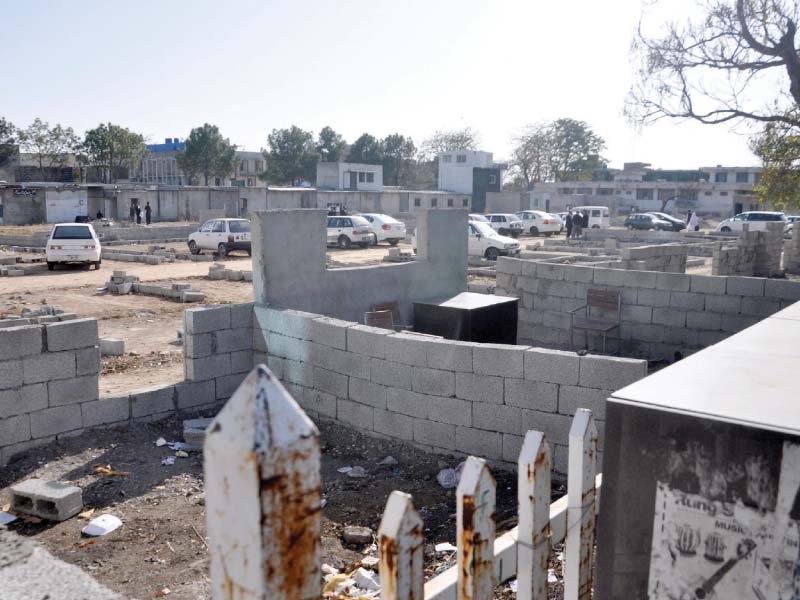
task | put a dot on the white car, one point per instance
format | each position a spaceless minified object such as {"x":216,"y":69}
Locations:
{"x":486,"y":242}
{"x":505,"y":224}
{"x":599,"y":216}
{"x":386,"y":228}
{"x":480,"y":218}
{"x":756,"y":220}
{"x":537,"y":222}
{"x":73,"y":243}
{"x":221,"y":236}
{"x":348,"y":230}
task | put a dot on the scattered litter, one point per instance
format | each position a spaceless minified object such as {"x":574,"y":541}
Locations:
{"x":329,"y":570}
{"x":87,"y":514}
{"x":445,"y":547}
{"x":161,"y":442}
{"x":389,"y":460}
{"x":85,"y":543}
{"x":107,"y":471}
{"x":162,"y":592}
{"x":366,"y":579}
{"x":6,"y":518}
{"x":447,"y":478}
{"x":357,"y":473}
{"x":353,"y":534}
{"x":344,"y":469}
{"x":560,"y":557}
{"x":370,"y":561}
{"x":168,"y":461}
{"x":177,"y":446}
{"x":182,"y":454}
{"x":551,"y":576}
{"x":336,"y":583}
{"x":102,"y":525}
{"x":324,"y":503}
{"x":513,"y":584}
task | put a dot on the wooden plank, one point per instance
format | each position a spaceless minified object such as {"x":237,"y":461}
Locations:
{"x":401,"y":540}
{"x":475,"y":517}
{"x":263,"y":495}
{"x":443,"y":586}
{"x":533,"y":532}
{"x":581,"y":509}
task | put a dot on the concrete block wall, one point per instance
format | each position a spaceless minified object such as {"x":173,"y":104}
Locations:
{"x":791,"y":252}
{"x":218,"y":346}
{"x":48,"y":381}
{"x":668,"y":258}
{"x":756,"y":254}
{"x":661,"y":313}
{"x":445,"y":396}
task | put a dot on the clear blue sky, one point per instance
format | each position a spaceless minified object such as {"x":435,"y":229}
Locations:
{"x":248,"y":66}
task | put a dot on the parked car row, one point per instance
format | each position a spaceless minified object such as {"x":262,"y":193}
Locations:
{"x":756,"y":220}
{"x":364,"y":230}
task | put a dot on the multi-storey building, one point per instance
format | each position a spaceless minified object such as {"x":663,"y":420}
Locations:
{"x":721,"y":191}
{"x":470,"y":172}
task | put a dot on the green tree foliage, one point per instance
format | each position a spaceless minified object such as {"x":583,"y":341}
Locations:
{"x":291,"y":155}
{"x":779,"y":149}
{"x":331,"y":146}
{"x":113,"y":148}
{"x":367,"y":150}
{"x":398,"y":158}
{"x":207,"y":153}
{"x":561,"y":150}
{"x":447,"y":140}
{"x":7,"y":140}
{"x":50,"y":146}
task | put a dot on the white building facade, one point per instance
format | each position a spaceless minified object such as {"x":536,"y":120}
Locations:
{"x":456,"y":169}
{"x":349,"y":176}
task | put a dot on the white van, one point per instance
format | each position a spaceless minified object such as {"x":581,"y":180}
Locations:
{"x":599,"y":216}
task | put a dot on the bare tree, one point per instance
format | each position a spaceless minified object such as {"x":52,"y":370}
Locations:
{"x":737,"y":62}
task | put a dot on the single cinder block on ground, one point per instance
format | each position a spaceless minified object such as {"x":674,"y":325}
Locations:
{"x":46,"y":499}
{"x":112,"y":347}
{"x":194,"y":432}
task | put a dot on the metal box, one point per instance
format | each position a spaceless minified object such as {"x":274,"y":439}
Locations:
{"x":701,"y":474}
{"x":469,"y":317}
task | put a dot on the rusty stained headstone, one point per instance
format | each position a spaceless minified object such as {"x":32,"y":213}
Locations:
{"x":263,"y":495}
{"x":401,"y":541}
{"x":475,"y":530}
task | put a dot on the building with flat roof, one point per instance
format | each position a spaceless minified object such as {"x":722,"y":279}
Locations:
{"x":349,"y":176}
{"x":471,"y":172}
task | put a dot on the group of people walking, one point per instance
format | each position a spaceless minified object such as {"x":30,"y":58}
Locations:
{"x":575,"y":223}
{"x":136,"y":214}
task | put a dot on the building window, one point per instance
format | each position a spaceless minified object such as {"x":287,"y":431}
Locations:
{"x":605,"y":192}
{"x":241,"y":167}
{"x":465,"y":203}
{"x":370,"y":177}
{"x":742,"y":177}
{"x":461,"y":158}
{"x":720,"y":178}
{"x":361,"y":177}
{"x":434,"y":202}
{"x":723,"y":193}
{"x":565,"y":191}
{"x":707,"y":193}
{"x":446,"y":158}
{"x":584,"y":191}
{"x":217,"y":181}
{"x":259,"y":166}
{"x":644,"y":194}
{"x":417,"y":202}
{"x":492,"y":179}
{"x":449,"y":202}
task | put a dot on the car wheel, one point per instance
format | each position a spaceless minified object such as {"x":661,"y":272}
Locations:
{"x":193,"y":247}
{"x":492,"y":253}
{"x":51,"y":265}
{"x":629,"y":227}
{"x":343,"y":241}
{"x":534,"y":231}
{"x":97,"y":265}
{"x":222,"y":250}
{"x":502,"y":231}
{"x":725,"y":230}
{"x":595,"y":226}
{"x":393,"y":242}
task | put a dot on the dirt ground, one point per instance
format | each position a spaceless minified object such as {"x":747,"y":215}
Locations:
{"x":163,"y":507}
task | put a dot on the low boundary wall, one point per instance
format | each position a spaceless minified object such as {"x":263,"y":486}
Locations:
{"x":662,"y":313}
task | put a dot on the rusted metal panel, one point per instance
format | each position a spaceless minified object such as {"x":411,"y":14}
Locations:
{"x":533,"y":532}
{"x":263,"y":495}
{"x":581,"y":508}
{"x":475,"y":515}
{"x":401,"y":542}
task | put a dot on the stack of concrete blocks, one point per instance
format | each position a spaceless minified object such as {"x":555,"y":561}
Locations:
{"x":756,"y":254}
{"x":667,"y":258}
{"x":442,"y":395}
{"x":177,"y":291}
{"x":218,"y":347}
{"x":48,"y":383}
{"x":769,"y":250}
{"x":121,"y":283}
{"x":791,"y":252}
{"x":218,"y":272}
{"x":148,"y":259}
{"x":661,"y":313}
{"x":46,"y":313}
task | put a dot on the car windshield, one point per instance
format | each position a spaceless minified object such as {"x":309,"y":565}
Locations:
{"x":72,"y":232}
{"x":239,"y":226}
{"x":482,"y":228}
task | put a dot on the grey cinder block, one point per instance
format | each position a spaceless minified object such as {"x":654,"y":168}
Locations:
{"x":484,"y":444}
{"x":553,"y":366}
{"x":390,"y":374}
{"x":15,"y":429}
{"x":74,"y":390}
{"x":449,"y":410}
{"x":48,"y":366}
{"x":439,"y":435}
{"x":571,"y":398}
{"x":226,"y":385}
{"x":450,"y":355}
{"x":231,"y":340}
{"x":393,"y":424}
{"x":407,"y":349}
{"x":504,"y":419}
{"x":52,"y":421}
{"x":367,"y":341}
{"x":50,"y":500}
{"x":205,"y":320}
{"x":152,"y":401}
{"x":18,"y":342}
{"x":407,"y":403}
{"x":354,"y":413}
{"x":330,"y":382}
{"x":498,"y":359}
{"x":10,"y":375}
{"x":610,"y":373}
{"x":211,"y":367}
{"x":241,"y":315}
{"x":433,"y":381}
{"x":535,"y":395}
{"x":114,"y":409}
{"x":198,"y":345}
{"x":195,"y":393}
{"x":674,"y":282}
{"x":366,"y":392}
{"x":68,"y":335}
{"x":329,"y":332}
{"x":87,"y":361}
{"x":745,"y":286}
{"x":483,"y":388}
{"x":21,"y":400}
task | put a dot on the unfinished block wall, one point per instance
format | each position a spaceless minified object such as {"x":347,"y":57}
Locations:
{"x":48,"y":382}
{"x":756,"y":253}
{"x":661,"y":313}
{"x":791,"y":252}
{"x":668,"y":258}
{"x":446,"y":396}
